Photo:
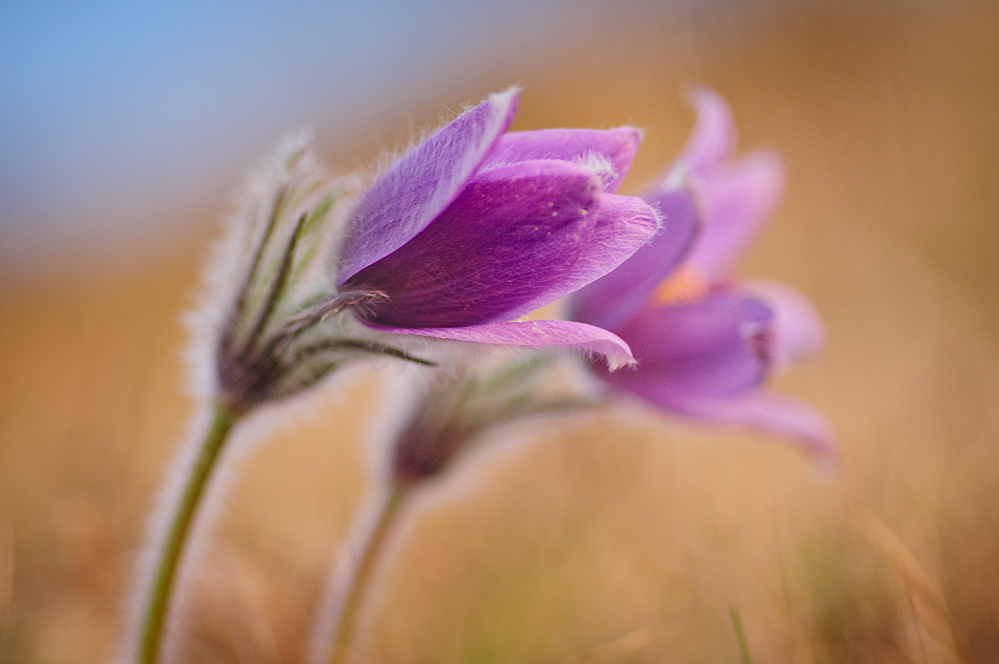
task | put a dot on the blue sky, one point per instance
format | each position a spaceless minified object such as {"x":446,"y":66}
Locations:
{"x":121,"y":118}
{"x":110,"y":112}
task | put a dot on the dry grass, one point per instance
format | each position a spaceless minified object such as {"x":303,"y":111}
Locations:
{"x":622,"y":537}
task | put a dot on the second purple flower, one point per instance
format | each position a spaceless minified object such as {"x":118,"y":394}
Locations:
{"x":705,"y":342}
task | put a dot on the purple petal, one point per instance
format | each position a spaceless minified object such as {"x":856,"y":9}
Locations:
{"x":532,"y":333}
{"x":738,"y":200}
{"x":403,"y":200}
{"x":623,"y":224}
{"x":611,"y":300}
{"x":797,"y":330}
{"x":713,"y":138}
{"x":710,"y":348}
{"x":767,"y":412}
{"x":514,"y":233}
{"x":614,"y":147}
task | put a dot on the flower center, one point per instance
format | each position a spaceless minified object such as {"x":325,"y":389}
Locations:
{"x":685,"y":286}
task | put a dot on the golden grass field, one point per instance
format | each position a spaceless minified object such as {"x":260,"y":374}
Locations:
{"x":618,"y":537}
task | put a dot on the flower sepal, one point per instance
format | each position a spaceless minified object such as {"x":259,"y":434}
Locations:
{"x":457,"y":406}
{"x":284,"y":329}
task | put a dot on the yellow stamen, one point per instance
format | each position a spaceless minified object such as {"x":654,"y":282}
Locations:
{"x":684,"y":286}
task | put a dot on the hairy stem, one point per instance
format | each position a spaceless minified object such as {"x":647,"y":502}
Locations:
{"x":157,"y":605}
{"x":366,"y":551}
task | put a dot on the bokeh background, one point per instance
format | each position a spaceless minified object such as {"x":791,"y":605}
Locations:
{"x":620,"y":537}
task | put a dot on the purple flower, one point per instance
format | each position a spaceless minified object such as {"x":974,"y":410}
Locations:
{"x":476,"y":227}
{"x":706,"y":343}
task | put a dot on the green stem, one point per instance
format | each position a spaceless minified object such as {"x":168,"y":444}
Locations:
{"x":364,"y":565}
{"x":740,"y":635}
{"x":158,"y":604}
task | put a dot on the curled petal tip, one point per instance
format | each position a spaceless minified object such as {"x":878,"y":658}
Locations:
{"x":506,"y":97}
{"x":621,"y":362}
{"x":738,"y":199}
{"x":505,"y":103}
{"x":612,"y":299}
{"x":628,"y":135}
{"x":797,"y":330}
{"x":714,"y":136}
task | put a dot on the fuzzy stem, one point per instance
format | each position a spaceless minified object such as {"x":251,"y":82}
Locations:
{"x":158,"y":603}
{"x":368,"y":549}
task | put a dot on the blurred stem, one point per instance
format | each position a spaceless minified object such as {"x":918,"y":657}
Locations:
{"x":369,"y":549}
{"x":740,"y":635}
{"x":158,"y":603}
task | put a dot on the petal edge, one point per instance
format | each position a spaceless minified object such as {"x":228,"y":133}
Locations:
{"x":532,"y":333}
{"x":404,"y":199}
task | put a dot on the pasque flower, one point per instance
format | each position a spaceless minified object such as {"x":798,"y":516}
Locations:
{"x":705,"y":342}
{"x":469,"y":230}
{"x":476,"y":227}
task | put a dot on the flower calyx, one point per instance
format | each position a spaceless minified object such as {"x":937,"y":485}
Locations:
{"x":458,"y":407}
{"x":283,"y":330}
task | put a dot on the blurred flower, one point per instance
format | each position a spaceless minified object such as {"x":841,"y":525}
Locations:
{"x":705,"y":343}
{"x":475,"y":227}
{"x":449,"y":410}
{"x":433,"y":419}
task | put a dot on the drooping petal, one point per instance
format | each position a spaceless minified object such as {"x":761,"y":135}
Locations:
{"x":612,"y":299}
{"x":797,"y":330}
{"x":615,"y":147}
{"x":767,"y":412}
{"x":403,"y":200}
{"x":514,"y":233}
{"x":534,"y":334}
{"x":738,"y":199}
{"x":622,"y":225}
{"x":709,"y":348}
{"x":713,"y":139}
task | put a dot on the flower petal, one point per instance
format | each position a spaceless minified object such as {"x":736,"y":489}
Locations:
{"x":797,"y":330}
{"x":514,"y":234}
{"x":709,"y":348}
{"x":738,"y":200}
{"x":623,"y":224}
{"x":612,"y":299}
{"x":532,"y":333}
{"x":403,"y":200}
{"x":614,"y":147}
{"x":767,"y":412}
{"x":714,"y":136}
